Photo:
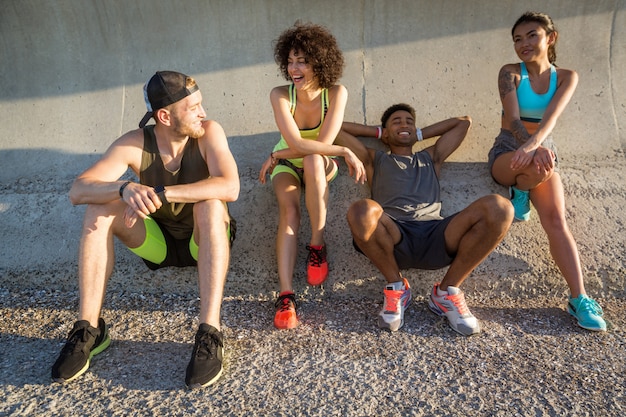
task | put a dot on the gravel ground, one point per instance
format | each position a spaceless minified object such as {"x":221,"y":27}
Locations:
{"x":530,"y":359}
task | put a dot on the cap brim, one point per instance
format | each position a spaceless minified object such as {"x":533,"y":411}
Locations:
{"x":145,"y":119}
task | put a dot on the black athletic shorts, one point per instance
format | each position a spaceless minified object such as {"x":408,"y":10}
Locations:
{"x":422,"y":245}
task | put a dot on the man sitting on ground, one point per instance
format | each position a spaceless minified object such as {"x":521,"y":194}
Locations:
{"x":401,"y":227}
{"x":176,"y":215}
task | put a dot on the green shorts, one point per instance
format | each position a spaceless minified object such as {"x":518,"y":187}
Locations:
{"x":285,"y":165}
{"x":161,"y":249}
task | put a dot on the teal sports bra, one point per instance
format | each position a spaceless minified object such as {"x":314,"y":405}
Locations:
{"x":532,"y":106}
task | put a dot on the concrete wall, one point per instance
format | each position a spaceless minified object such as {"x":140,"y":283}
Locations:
{"x":72,"y":73}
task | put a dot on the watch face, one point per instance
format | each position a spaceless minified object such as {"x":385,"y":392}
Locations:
{"x":160,"y":190}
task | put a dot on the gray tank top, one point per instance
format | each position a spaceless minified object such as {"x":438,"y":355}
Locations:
{"x":406,"y":186}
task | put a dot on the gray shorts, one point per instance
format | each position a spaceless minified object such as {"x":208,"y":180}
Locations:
{"x":505,"y":142}
{"x":422,"y":245}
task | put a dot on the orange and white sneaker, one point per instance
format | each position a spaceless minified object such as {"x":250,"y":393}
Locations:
{"x":316,"y":265}
{"x":286,"y":314}
{"x":452,"y":305}
{"x":397,"y":299}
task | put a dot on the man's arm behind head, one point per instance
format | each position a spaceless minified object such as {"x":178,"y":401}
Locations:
{"x":360,"y":150}
{"x":451,"y":134}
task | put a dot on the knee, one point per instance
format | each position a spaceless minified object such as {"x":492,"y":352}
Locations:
{"x":362,"y":214}
{"x":314,"y":165}
{"x":106,"y":219}
{"x":209,"y":211}
{"x":467,"y":121}
{"x":290,"y":213}
{"x":107,"y":212}
{"x":538,"y":177}
{"x":553,"y":221}
{"x":498,"y":210}
{"x":309,"y":161}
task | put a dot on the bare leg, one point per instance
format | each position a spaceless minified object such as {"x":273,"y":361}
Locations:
{"x":525,"y":179}
{"x":376,"y":235}
{"x":316,"y":195}
{"x":96,"y":254}
{"x":473,"y":234}
{"x":548,"y":198}
{"x":287,"y":190}
{"x":211,"y":222}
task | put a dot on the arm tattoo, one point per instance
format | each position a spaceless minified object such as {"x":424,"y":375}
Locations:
{"x":506,"y":83}
{"x":519,"y":132}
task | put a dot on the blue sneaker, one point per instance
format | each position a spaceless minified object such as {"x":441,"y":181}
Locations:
{"x":521,"y":204}
{"x":588,"y":313}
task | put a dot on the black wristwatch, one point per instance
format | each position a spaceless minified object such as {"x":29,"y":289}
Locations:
{"x":160,"y":190}
{"x":122,"y":189}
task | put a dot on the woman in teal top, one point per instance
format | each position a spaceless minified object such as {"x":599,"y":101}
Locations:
{"x":534,"y":93}
{"x":308,"y":114}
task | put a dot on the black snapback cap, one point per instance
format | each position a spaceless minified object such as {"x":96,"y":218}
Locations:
{"x":163,"y":89}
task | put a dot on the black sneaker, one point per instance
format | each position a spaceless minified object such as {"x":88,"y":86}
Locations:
{"x":205,"y":367}
{"x":83,"y":343}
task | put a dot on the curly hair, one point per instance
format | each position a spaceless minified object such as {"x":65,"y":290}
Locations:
{"x":546,"y":23}
{"x":319,"y":47}
{"x":396,"y":107}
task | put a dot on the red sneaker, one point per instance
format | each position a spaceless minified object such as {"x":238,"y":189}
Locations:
{"x":286,"y":316}
{"x":316,"y":265}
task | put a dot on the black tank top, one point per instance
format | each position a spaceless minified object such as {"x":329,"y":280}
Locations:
{"x":177,"y":218}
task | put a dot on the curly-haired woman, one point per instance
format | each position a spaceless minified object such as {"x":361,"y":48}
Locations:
{"x":308,"y":113}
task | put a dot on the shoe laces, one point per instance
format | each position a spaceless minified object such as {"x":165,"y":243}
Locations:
{"x":459,"y":303}
{"x":392,"y":299}
{"x":316,"y":256}
{"x":76,"y":340}
{"x":207,"y":344}
{"x":590,"y":305}
{"x":285,"y":302}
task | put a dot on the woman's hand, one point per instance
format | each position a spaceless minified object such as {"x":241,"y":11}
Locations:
{"x":355,"y":167}
{"x":523,"y":157}
{"x":268,"y":167}
{"x":544,"y":159}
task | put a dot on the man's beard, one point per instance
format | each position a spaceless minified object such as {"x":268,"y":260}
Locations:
{"x":187,"y":130}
